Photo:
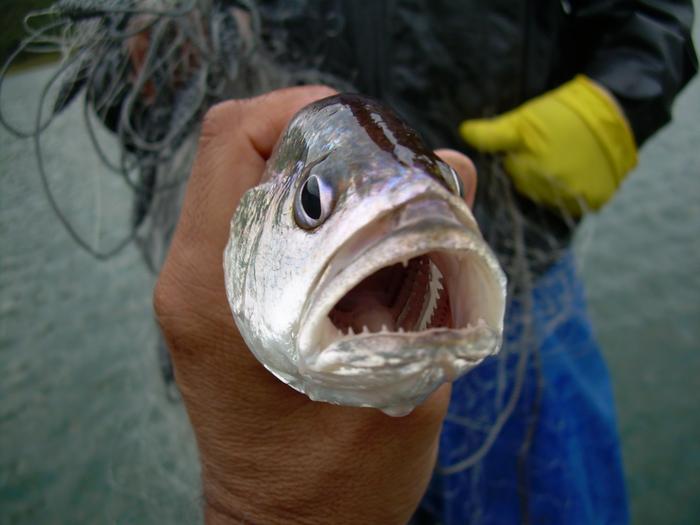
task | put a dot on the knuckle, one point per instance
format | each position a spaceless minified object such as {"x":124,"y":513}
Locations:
{"x":169,"y":294}
{"x":176,"y":298}
{"x":162,"y":299}
{"x":321,"y":91}
{"x":167,"y":313}
{"x":219,"y":119}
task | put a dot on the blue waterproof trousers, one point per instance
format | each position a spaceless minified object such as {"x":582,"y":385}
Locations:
{"x":534,"y":427}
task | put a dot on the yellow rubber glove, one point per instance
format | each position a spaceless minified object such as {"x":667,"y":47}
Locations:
{"x":569,"y":148}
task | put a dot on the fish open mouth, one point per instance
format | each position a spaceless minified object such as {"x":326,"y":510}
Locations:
{"x":405,"y":297}
{"x":419,"y":271}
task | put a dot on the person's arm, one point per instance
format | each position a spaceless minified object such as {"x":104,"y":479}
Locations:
{"x":268,"y":453}
{"x":570,"y":148}
{"x":642,"y":52}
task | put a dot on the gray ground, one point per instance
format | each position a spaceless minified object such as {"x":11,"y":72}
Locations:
{"x":88,"y":436}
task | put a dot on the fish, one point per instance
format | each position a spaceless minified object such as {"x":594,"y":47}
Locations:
{"x":355,"y":271}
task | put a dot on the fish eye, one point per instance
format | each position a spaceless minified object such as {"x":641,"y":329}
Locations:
{"x":313,"y":202}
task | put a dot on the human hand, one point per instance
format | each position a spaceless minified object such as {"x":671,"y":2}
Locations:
{"x":569,"y":148}
{"x":268,"y":453}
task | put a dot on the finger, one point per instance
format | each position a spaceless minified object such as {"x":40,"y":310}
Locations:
{"x":237,"y":138}
{"x":464,"y":168}
{"x":491,"y":135}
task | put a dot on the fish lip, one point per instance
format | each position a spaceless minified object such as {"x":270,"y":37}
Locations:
{"x":373,"y":373}
{"x":455,"y":230}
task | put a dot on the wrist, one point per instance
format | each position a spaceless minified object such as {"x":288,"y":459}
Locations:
{"x":605,"y":92}
{"x":313,"y":494}
{"x":222,"y":507}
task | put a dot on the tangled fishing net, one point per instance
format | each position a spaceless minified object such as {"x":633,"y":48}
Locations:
{"x":148,"y":70}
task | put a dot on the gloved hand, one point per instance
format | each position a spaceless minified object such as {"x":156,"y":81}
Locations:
{"x":569,"y":148}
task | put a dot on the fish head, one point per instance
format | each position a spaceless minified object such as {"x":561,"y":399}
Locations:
{"x":356,"y":272}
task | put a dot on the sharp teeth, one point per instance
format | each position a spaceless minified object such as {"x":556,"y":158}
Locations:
{"x":365,"y":330}
{"x":430,"y":299}
{"x":423,"y":324}
{"x":405,"y":263}
{"x":384,"y":328}
{"x":351,"y":331}
{"x":401,"y":330}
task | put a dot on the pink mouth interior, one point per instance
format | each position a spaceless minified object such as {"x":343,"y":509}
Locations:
{"x":394,"y":298}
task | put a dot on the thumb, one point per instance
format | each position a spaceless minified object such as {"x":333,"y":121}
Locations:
{"x":493,"y":134}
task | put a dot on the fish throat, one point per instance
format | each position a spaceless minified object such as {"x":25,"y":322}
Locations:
{"x":403,"y":297}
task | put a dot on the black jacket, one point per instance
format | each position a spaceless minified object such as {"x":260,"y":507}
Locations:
{"x":441,"y":62}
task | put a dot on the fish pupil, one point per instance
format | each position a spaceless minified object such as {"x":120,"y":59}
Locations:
{"x":311,"y":198}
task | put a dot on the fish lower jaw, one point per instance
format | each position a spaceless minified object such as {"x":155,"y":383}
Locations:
{"x":392,"y":371}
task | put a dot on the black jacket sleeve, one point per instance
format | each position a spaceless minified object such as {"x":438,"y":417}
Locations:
{"x":642,"y":51}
